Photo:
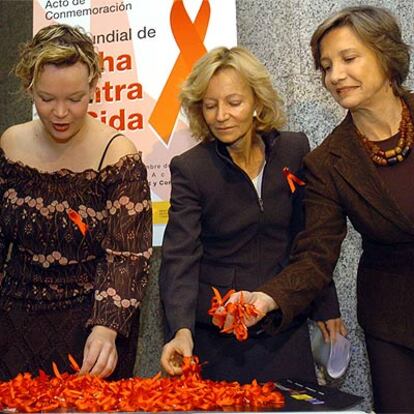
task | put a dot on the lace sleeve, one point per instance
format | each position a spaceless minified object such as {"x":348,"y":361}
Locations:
{"x":4,"y":242}
{"x":121,"y":279}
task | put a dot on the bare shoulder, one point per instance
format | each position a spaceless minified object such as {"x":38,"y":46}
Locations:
{"x":113,"y":144}
{"x":16,"y":137}
{"x":118,"y":148}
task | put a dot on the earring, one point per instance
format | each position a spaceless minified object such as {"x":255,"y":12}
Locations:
{"x":254,"y":113}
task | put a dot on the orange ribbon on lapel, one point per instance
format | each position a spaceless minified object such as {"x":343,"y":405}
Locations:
{"x":292,"y":179}
{"x":77,"y":219}
{"x":189,"y":37}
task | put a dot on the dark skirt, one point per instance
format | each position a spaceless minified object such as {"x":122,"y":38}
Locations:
{"x":264,"y":358}
{"x":30,"y":341}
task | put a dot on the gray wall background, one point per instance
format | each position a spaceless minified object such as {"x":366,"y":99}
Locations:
{"x":278,"y":32}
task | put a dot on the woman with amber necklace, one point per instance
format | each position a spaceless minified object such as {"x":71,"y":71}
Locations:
{"x":363,"y":171}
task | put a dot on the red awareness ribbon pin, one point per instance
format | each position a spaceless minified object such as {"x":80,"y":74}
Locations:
{"x":292,"y":179}
{"x":77,"y":219}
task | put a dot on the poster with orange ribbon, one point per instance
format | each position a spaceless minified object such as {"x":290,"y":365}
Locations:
{"x":147,"y":48}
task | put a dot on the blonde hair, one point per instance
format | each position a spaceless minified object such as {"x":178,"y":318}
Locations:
{"x":268,"y":103}
{"x":58,"y":44}
{"x":380,"y":31}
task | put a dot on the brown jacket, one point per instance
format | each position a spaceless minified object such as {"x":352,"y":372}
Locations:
{"x":343,"y":182}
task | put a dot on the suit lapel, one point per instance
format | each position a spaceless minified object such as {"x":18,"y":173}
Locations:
{"x":355,"y":166}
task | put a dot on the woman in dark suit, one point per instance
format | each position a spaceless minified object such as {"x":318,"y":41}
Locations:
{"x":363,"y":171}
{"x":231,"y":223}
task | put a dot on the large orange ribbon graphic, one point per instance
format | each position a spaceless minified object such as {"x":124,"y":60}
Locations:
{"x":189,"y":37}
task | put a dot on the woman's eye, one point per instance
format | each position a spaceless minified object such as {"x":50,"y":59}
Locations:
{"x":235,"y":103}
{"x":46,"y":99}
{"x":349,"y":58}
{"x":75,"y":100}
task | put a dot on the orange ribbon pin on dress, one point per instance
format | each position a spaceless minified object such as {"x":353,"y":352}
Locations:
{"x":189,"y":37}
{"x":292,"y":179}
{"x":77,"y":219}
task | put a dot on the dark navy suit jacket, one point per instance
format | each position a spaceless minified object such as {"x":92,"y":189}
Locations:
{"x":221,"y":233}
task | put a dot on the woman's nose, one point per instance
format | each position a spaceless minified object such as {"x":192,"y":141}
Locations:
{"x":221,"y":114}
{"x":336,"y":73}
{"x":60,"y":109}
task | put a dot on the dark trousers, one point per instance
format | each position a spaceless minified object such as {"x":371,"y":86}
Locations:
{"x":264,"y":358}
{"x":392,"y":372}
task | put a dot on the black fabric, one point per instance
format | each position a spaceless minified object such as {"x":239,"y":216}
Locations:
{"x":221,"y":234}
{"x":285,"y":355}
{"x":54,"y":267}
{"x":31,"y":341}
{"x":392,"y":371}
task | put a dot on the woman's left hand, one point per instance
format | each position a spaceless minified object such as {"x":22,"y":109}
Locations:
{"x":262,"y":302}
{"x":100,"y":355}
{"x":331,"y":327}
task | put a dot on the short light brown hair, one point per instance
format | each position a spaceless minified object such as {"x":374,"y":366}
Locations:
{"x":380,"y":31}
{"x":58,"y":44}
{"x":268,"y":103}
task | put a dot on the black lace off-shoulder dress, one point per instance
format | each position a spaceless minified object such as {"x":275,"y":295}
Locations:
{"x":56,"y":282}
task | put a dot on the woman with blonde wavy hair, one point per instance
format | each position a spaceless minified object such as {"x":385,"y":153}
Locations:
{"x":75,"y":221}
{"x":231,"y":223}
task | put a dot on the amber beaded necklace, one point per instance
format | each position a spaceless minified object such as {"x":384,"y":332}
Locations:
{"x":400,"y":152}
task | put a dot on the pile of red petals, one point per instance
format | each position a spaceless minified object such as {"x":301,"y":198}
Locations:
{"x":88,"y":393}
{"x":240,"y":311}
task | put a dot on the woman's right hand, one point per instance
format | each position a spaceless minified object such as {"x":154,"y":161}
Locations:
{"x":331,"y":328}
{"x":100,"y":355}
{"x":260,"y":300}
{"x":173,"y":352}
